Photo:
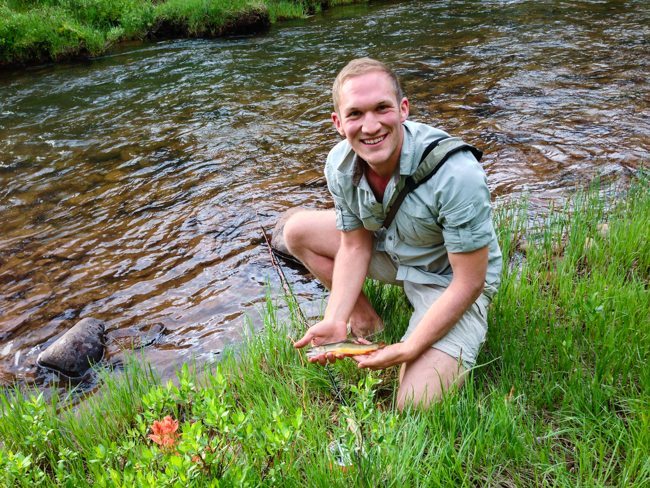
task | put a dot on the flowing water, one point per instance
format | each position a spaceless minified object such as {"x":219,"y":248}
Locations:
{"x":130,"y":186}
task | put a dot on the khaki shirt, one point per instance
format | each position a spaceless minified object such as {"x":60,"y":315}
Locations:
{"x":449,"y":213}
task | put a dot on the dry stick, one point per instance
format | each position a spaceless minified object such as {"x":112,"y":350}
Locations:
{"x":283,"y":278}
{"x":292,"y":297}
{"x":289,"y":293}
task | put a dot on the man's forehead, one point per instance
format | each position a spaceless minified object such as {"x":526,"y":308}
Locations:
{"x":370,"y":90}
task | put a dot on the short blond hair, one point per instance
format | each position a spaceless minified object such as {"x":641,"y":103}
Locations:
{"x":358,"y":67}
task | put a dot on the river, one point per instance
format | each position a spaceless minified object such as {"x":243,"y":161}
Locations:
{"x":132,"y":186}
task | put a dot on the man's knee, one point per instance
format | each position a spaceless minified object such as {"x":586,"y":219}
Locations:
{"x":425,"y":380}
{"x":313,"y":230}
{"x":295,"y":231}
{"x":418,"y":396}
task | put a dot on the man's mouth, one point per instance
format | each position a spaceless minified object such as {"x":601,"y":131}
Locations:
{"x":371,"y":142}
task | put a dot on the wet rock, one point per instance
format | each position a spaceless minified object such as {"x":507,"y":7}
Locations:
{"x":277,"y":238}
{"x":128,"y":340}
{"x":74,"y":352}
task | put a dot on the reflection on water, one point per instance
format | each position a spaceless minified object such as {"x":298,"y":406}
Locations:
{"x":129,"y":186}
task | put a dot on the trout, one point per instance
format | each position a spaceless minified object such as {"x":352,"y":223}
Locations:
{"x":344,"y":348}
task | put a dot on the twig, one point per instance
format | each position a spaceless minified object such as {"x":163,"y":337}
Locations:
{"x":283,"y":278}
{"x":289,"y":293}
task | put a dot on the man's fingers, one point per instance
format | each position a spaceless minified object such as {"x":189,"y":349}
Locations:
{"x":304,"y":341}
{"x":365,"y":364}
{"x":324,"y":359}
{"x":367,"y":360}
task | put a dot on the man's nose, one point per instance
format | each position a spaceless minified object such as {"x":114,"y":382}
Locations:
{"x":371,"y":124}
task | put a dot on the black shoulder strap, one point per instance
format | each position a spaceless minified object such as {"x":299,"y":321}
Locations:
{"x":411,"y":184}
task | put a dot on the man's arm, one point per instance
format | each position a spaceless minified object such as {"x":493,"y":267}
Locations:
{"x":350,"y":269}
{"x":469,"y":270}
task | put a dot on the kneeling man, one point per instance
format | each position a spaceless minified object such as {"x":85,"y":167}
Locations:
{"x":439,"y":243}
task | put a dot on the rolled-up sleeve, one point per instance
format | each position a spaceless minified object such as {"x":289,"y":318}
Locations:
{"x":465,"y":213}
{"x":346,"y":220}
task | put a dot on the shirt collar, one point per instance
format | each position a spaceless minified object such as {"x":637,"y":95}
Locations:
{"x":407,"y":162}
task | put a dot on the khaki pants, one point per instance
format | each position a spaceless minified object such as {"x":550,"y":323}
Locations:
{"x":465,"y":339}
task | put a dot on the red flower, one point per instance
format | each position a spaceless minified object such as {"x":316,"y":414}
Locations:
{"x":164,"y":432}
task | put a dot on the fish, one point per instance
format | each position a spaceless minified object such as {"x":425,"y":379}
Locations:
{"x":344,"y":348}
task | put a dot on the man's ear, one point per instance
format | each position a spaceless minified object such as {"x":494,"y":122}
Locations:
{"x":404,"y":109}
{"x":337,"y":123}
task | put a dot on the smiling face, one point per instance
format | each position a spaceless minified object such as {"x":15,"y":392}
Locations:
{"x":370,"y":117}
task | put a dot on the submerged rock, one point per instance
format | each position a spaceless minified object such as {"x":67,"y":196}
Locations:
{"x":74,"y":352}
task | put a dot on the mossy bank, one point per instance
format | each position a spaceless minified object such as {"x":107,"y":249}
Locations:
{"x":38,"y":31}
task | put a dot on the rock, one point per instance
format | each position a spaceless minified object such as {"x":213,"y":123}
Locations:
{"x":277,"y":238}
{"x":126,"y":340}
{"x":74,"y":352}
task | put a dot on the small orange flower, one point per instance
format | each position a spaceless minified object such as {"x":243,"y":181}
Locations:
{"x":164,"y":432}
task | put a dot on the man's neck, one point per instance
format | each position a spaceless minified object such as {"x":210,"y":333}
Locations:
{"x":377,"y":182}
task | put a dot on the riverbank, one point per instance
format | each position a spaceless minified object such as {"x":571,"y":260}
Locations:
{"x":560,"y":397}
{"x":40,"y":31}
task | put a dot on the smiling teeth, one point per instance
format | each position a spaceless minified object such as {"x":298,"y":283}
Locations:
{"x":373,"y":141}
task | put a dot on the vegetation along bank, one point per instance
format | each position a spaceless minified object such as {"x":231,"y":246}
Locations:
{"x":37,"y":31}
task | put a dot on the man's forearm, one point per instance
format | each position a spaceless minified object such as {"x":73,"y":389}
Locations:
{"x":350,"y":269}
{"x":443,"y":314}
{"x":466,"y":286}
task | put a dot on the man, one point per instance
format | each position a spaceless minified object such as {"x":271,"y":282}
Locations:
{"x":441,"y":246}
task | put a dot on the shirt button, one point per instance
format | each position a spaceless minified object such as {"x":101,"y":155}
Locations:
{"x":390,"y":238}
{"x":394,"y":258}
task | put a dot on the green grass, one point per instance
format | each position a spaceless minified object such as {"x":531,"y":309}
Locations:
{"x":35,"y":31}
{"x":561,"y":396}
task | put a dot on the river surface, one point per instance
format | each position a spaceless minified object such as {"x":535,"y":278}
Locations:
{"x":130,"y":185}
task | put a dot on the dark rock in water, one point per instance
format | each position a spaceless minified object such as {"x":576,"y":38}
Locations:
{"x":74,"y":352}
{"x":277,"y":238}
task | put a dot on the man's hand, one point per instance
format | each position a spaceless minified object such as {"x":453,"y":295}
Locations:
{"x":384,"y":358}
{"x":324,"y":332}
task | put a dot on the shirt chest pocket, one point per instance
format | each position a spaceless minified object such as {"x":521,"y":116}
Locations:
{"x":371,"y":217}
{"x":416,"y":226}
